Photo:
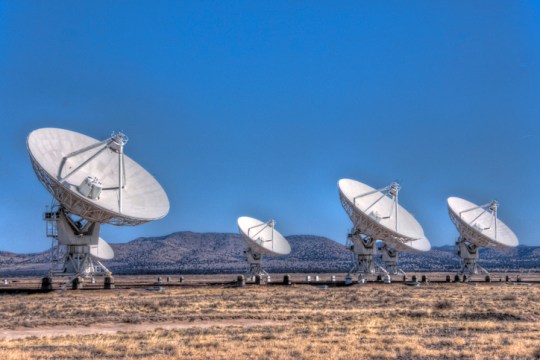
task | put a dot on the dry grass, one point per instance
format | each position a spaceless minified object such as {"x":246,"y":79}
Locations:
{"x":371,"y":321}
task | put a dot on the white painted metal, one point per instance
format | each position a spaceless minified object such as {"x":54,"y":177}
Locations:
{"x":77,"y":248}
{"x":91,"y":187}
{"x":72,"y":231}
{"x":262,"y":239}
{"x":478,"y":226}
{"x":363,"y":250}
{"x":63,"y":159}
{"x":95,"y":183}
{"x":102,"y":250}
{"x":377,"y":215}
{"x":254,"y":260}
{"x":390,"y":259}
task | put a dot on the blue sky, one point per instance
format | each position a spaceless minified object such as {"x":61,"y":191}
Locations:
{"x":259,"y":108}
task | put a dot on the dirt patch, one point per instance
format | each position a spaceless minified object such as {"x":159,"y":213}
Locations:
{"x":112,"y":328}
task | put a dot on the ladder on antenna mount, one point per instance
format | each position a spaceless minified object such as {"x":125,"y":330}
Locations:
{"x":51,"y":217}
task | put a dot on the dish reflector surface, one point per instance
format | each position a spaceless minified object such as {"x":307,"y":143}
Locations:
{"x":477,"y":225}
{"x":374,"y":214}
{"x":102,"y":250}
{"x":143,"y":199}
{"x":262,"y":237}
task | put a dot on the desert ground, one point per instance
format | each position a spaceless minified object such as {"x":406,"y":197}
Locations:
{"x":203,"y":320}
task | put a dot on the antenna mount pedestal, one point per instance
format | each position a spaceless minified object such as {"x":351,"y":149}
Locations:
{"x":390,"y":259}
{"x":363,"y":248}
{"x":468,"y":253}
{"x":478,"y":226}
{"x":254,"y":260}
{"x":377,"y":215}
{"x":72,"y":239}
{"x":79,"y":262}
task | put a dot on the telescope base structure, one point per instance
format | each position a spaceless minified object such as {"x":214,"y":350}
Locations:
{"x":76,"y":261}
{"x":390,"y":258}
{"x":468,"y":253}
{"x":365,"y":265}
{"x":70,"y":253}
{"x":363,"y":248}
{"x":254,"y":260}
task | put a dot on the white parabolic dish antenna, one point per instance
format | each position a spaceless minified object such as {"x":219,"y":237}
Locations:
{"x":64,"y":159}
{"x":382,"y":218}
{"x":480,"y":225}
{"x":102,"y":250}
{"x":262,"y":237}
{"x":94,"y":183}
{"x":377,"y":215}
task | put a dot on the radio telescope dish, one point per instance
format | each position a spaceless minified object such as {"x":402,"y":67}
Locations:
{"x":94,"y":183}
{"x":102,"y":250}
{"x":377,"y":215}
{"x":262,"y":239}
{"x":478,"y":226}
{"x":94,"y":179}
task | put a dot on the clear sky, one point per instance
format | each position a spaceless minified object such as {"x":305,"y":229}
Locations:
{"x":259,"y":108}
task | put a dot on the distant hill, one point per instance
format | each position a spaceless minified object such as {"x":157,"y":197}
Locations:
{"x":217,"y":252}
{"x":197,"y":253}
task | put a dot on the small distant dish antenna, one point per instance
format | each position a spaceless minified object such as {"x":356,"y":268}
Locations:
{"x":102,"y":251}
{"x":262,"y":239}
{"x":377,"y":215}
{"x":93,"y":182}
{"x":478,"y":226}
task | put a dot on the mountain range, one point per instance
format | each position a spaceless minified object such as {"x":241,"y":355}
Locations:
{"x":200,"y":253}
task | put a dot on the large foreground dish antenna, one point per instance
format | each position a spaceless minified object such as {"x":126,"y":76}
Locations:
{"x":377,"y":215}
{"x":94,"y":183}
{"x":478,"y":226}
{"x":262,"y":239}
{"x":95,"y":179}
